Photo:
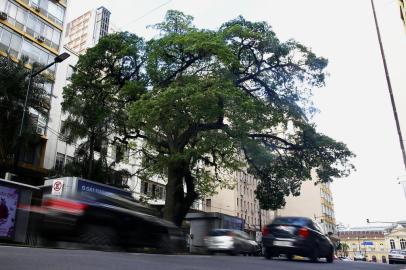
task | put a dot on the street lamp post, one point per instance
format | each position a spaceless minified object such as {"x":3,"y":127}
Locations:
{"x":57,"y":59}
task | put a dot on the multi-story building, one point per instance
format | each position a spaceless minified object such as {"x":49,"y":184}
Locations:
{"x":315,"y":202}
{"x":86,"y":30}
{"x":368,"y":241}
{"x":240,"y":202}
{"x":33,"y":28}
{"x":396,"y":236}
{"x":81,"y":33}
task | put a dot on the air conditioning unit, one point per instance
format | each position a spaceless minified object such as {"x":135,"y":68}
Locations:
{"x":3,"y":16}
{"x":41,"y":130}
{"x":41,"y":38}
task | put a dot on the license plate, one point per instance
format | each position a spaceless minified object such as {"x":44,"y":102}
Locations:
{"x":283,"y":243}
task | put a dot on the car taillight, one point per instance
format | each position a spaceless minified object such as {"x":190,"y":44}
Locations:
{"x":265,"y":231}
{"x":304,"y":232}
{"x":65,"y":206}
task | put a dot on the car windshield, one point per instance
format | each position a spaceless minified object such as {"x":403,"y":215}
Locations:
{"x":291,"y":221}
{"x":220,"y":232}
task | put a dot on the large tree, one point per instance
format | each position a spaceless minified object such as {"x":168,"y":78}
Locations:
{"x":203,"y":104}
{"x":104,"y":81}
{"x":220,"y":101}
{"x":13,"y":87}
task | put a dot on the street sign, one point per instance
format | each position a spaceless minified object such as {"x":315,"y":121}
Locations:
{"x":57,"y":186}
{"x":367,"y":243}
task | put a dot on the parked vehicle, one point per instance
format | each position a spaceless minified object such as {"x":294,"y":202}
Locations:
{"x":296,"y":236}
{"x":360,"y":257}
{"x":397,"y":256}
{"x":233,"y":242}
{"x":105,"y":220}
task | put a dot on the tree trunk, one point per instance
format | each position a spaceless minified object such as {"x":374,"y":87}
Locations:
{"x":91,"y":156}
{"x":177,"y":203}
{"x":174,"y":193}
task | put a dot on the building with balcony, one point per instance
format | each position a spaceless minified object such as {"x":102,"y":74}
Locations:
{"x":33,"y":29}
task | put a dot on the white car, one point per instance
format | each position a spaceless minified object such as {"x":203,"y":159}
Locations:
{"x":360,"y":257}
{"x":229,"y":241}
{"x":397,"y":256}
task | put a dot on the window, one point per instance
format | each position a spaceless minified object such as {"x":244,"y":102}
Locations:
{"x":3,"y":5}
{"x":392,"y":244}
{"x":5,"y":40}
{"x":69,"y":159}
{"x":59,"y":162}
{"x":402,"y":244}
{"x":56,"y":12}
{"x":208,"y":203}
{"x":15,"y":45}
{"x":144,"y":188}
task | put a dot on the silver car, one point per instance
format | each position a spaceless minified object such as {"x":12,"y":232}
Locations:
{"x":229,"y":241}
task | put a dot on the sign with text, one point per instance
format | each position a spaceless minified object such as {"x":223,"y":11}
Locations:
{"x":85,"y":186}
{"x":8,"y":209}
{"x":57,"y":186}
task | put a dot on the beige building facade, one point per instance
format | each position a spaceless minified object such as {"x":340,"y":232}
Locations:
{"x":240,"y":202}
{"x":396,"y":237}
{"x":315,"y":202}
{"x":370,"y":242}
{"x":86,"y":30}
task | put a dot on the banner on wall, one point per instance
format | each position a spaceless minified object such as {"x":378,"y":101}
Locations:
{"x":8,"y":210}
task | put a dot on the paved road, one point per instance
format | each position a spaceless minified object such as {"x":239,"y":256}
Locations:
{"x":15,"y":258}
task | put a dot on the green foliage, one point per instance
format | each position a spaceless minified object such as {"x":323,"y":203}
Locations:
{"x":217,"y":102}
{"x":105,"y":80}
{"x":13,"y":86}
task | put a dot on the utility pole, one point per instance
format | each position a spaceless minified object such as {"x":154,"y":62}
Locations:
{"x":395,"y":113}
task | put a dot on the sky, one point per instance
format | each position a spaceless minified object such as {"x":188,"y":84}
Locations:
{"x":354,"y":105}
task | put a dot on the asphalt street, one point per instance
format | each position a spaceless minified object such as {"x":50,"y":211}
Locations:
{"x":17,"y":258}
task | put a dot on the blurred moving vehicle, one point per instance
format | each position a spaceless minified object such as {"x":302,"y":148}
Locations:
{"x":233,"y":242}
{"x":256,"y":248}
{"x":360,"y":257}
{"x":105,"y":220}
{"x":397,"y":256}
{"x":296,"y":236}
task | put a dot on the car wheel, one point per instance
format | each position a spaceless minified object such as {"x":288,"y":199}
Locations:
{"x":314,"y":256}
{"x":268,"y":253}
{"x":96,"y":236}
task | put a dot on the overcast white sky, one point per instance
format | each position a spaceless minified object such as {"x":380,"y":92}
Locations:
{"x":355,"y":105}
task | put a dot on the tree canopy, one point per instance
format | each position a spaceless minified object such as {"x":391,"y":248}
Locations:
{"x":14,"y":82}
{"x":207,"y":103}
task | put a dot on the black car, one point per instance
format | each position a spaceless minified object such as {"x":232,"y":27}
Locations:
{"x":107,"y":220}
{"x":296,"y":236}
